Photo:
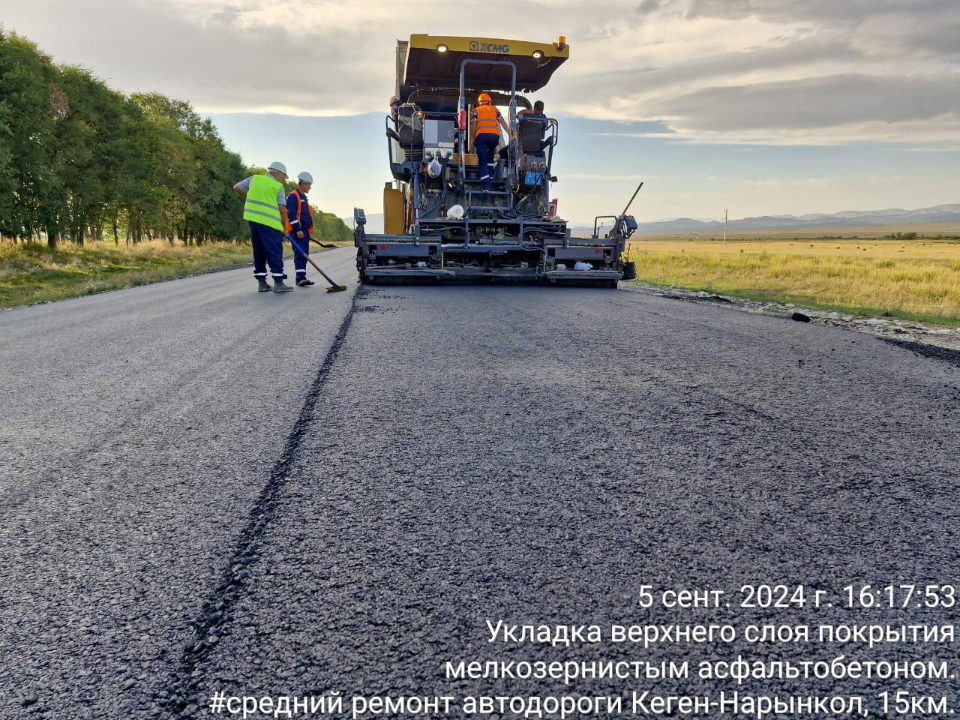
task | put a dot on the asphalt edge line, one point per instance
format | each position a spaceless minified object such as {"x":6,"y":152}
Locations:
{"x":922,"y":333}
{"x":928,"y":351}
{"x":178,"y":695}
{"x":200,"y":273}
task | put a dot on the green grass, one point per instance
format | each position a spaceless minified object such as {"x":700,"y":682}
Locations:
{"x":31,"y":272}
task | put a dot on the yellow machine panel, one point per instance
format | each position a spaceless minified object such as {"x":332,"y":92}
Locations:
{"x":433,"y":62}
{"x":495,"y":46}
{"x":392,"y":210}
{"x":468,"y":159}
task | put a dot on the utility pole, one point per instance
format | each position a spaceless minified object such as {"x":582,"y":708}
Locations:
{"x":724,"y":225}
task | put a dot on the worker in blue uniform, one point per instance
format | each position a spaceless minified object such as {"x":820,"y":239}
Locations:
{"x":537,"y":113}
{"x":301,"y":224}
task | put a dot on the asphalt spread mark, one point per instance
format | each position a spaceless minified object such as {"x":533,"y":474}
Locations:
{"x":929,"y":351}
{"x":178,"y":696}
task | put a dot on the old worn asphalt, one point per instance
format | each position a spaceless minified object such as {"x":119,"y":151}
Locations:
{"x":205,"y":488}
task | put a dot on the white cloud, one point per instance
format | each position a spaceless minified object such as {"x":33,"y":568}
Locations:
{"x":724,"y":71}
{"x":823,"y":102}
{"x":612,"y":177}
{"x":832,"y":181}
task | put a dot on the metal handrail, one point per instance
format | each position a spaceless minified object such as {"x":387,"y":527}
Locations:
{"x":511,"y":151}
{"x":620,"y":219}
{"x":391,"y":134}
{"x":604,"y":217}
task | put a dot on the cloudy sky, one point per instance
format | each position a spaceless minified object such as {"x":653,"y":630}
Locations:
{"x":759,"y":106}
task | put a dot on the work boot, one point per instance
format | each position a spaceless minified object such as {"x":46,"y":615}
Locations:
{"x":264,"y":285}
{"x":279,"y":287}
{"x":303,"y":282}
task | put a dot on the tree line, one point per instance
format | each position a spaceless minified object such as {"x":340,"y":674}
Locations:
{"x":79,"y":160}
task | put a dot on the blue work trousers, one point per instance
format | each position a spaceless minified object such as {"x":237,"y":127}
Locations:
{"x":267,"y":250}
{"x":299,"y":258}
{"x":486,"y":145}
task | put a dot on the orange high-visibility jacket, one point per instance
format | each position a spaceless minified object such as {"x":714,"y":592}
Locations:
{"x":486,"y":120}
{"x":289,"y":226}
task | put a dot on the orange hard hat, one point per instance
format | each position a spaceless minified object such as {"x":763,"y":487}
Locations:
{"x":484,"y":98}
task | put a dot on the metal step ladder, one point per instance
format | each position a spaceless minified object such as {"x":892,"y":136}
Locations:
{"x":471,"y":205}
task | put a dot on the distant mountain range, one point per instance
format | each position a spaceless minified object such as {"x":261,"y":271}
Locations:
{"x":848,"y":218}
{"x":374,"y":223}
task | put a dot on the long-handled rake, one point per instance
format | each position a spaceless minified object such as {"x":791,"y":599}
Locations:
{"x":334,"y":287}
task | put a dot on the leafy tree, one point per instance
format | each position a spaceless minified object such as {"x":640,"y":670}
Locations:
{"x":87,"y":134}
{"x":27,"y":113}
{"x":78,"y":159}
{"x":330,"y":228}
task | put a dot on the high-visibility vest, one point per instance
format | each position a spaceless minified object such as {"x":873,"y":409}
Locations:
{"x":289,"y":225}
{"x":261,"y":206}
{"x":485,"y":120}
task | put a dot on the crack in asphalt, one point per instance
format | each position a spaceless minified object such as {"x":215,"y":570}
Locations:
{"x":178,"y":694}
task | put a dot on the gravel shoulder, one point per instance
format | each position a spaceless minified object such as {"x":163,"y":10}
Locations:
{"x":894,"y":329}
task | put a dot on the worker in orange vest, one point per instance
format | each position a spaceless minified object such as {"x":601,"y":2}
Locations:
{"x":487,"y":122}
{"x":301,"y":223}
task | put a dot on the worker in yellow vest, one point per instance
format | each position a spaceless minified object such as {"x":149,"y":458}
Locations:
{"x":487,"y":122}
{"x":266,"y":211}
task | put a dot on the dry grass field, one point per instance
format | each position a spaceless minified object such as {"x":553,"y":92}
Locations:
{"x":916,"y":279}
{"x":864,"y":232}
{"x":32,"y":272}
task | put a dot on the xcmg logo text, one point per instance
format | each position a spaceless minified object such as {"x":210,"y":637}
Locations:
{"x":476,"y":46}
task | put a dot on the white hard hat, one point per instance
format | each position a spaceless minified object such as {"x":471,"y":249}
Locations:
{"x":305,"y":177}
{"x":456,"y":212}
{"x":279,"y":167}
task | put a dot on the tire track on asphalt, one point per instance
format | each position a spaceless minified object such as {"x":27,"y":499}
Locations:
{"x":178,"y":694}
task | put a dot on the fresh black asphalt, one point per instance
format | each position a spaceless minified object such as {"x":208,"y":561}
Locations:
{"x":208,"y":489}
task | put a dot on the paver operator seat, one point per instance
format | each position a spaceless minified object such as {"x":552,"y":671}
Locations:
{"x":532,"y":131}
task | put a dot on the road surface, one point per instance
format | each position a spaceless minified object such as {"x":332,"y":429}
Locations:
{"x":208,"y":489}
